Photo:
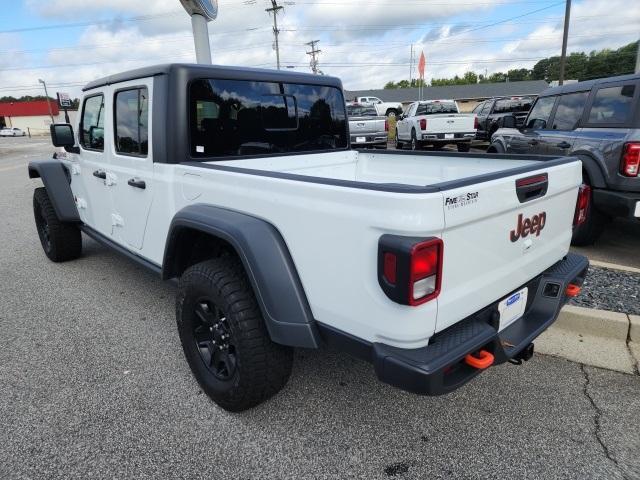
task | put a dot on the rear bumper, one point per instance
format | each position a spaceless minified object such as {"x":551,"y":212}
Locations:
{"x":617,"y":204}
{"x":370,"y":139}
{"x":457,"y":137}
{"x":439,"y":367}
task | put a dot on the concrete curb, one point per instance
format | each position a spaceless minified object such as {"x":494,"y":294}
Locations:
{"x":594,"y":337}
{"x":613,"y":266}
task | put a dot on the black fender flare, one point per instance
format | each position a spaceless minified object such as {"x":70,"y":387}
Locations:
{"x":268,"y":265}
{"x":55,"y":178}
{"x":592,"y":167}
{"x":498,"y":144}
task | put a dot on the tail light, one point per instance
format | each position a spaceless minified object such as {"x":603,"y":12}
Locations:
{"x":475,"y":123}
{"x":386,"y":125}
{"x":423,"y":124}
{"x":582,"y":205}
{"x":410,"y":270}
{"x":630,"y":165}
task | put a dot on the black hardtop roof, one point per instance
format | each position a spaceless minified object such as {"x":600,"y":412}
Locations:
{"x":215,"y":71}
{"x":586,"y":85}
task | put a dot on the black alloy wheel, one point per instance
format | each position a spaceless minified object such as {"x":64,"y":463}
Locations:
{"x":214,"y":340}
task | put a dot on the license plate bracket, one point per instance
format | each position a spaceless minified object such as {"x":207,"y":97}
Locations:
{"x":512,"y":308}
{"x":361,"y":139}
{"x":449,"y":135}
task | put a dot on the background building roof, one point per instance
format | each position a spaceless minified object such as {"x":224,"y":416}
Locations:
{"x":28,"y":109}
{"x":456,"y":92}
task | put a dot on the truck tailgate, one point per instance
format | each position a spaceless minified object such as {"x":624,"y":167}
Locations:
{"x":450,"y":123}
{"x":488,"y":253}
{"x":359,"y":125}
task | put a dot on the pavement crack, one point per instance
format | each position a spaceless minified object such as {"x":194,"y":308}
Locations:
{"x":634,"y":360}
{"x":596,"y":421}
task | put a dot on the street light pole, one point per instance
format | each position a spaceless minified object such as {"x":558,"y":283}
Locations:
{"x":638,"y":58}
{"x":565,"y":36}
{"x":201,"y":38}
{"x":201,"y":12}
{"x":46,"y":94}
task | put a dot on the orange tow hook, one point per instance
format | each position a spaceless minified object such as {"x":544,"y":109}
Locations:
{"x":572,"y":290}
{"x":482,"y":361}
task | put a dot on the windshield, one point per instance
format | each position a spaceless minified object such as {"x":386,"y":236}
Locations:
{"x":230,"y":118}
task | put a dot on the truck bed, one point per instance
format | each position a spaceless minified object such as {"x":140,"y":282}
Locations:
{"x":392,"y":168}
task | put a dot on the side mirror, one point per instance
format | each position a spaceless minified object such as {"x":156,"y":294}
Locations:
{"x":62,"y":135}
{"x":509,"y":121}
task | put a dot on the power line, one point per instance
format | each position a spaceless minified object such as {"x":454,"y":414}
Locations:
{"x":275,"y":8}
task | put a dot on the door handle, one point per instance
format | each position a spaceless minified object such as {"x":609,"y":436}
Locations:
{"x":137,"y":183}
{"x":563,"y":145}
{"x":533,"y":142}
{"x":100,"y":174}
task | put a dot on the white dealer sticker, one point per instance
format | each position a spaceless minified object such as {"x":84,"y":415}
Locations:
{"x":512,"y":308}
{"x":637,"y":212}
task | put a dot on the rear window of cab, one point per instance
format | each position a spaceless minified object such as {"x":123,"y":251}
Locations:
{"x":235,"y":118}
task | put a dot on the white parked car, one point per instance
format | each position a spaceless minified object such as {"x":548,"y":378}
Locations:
{"x":437,"y":123}
{"x":12,"y":132}
{"x":240,"y":184}
{"x":383,"y":108}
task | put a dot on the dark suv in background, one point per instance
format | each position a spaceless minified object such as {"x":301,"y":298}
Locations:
{"x":491,"y":112}
{"x":597,"y":121}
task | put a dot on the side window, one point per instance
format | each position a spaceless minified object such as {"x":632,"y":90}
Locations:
{"x":92,"y":126}
{"x":539,"y":115}
{"x":422,"y":110}
{"x":131,"y":120}
{"x":612,"y":105}
{"x":486,"y":108}
{"x":478,"y":108}
{"x":569,"y":110}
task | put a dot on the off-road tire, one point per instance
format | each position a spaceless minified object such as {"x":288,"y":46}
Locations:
{"x":261,"y":367}
{"x":415,"y":145}
{"x":464,"y":147}
{"x":61,"y":241}
{"x":495,"y":147}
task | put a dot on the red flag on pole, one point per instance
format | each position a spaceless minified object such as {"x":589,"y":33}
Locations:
{"x":421,"y":64}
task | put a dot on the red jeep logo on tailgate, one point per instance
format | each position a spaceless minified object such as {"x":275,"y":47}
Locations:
{"x":531,"y":225}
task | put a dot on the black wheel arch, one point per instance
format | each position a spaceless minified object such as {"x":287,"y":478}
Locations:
{"x":57,"y":180}
{"x":592,"y":169}
{"x":266,"y":260}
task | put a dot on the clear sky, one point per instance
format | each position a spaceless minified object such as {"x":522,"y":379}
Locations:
{"x":365,"y":42}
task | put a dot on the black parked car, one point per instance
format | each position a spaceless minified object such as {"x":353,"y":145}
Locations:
{"x":597,"y":121}
{"x":491,"y":112}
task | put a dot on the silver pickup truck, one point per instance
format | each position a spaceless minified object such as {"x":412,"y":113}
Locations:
{"x":367,"y":129}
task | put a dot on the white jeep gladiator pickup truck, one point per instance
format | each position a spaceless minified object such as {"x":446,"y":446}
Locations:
{"x":437,"y":123}
{"x":240,"y":185}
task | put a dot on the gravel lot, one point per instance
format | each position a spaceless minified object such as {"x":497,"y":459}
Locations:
{"x":93,"y":385}
{"x":613,"y":290}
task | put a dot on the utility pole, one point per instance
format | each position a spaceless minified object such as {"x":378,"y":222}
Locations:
{"x":275,"y":8}
{"x":565,"y":36}
{"x":46,"y":94}
{"x":638,"y":58}
{"x":411,"y":67}
{"x":314,"y":59}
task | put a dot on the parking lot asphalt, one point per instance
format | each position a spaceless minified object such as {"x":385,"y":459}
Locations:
{"x":93,"y":385}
